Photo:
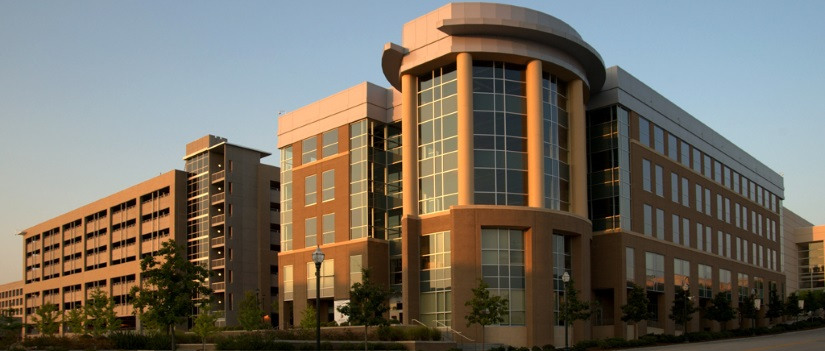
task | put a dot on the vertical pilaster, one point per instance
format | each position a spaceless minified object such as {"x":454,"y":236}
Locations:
{"x":578,"y":148}
{"x":535,"y":156}
{"x":409,"y":140}
{"x":464,"y":73}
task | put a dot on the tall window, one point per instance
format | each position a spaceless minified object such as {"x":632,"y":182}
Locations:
{"x":725,"y":282}
{"x":286,"y":198}
{"x":672,"y":147}
{"x":355,"y":269}
{"x":676,"y":238}
{"x":655,"y":271}
{"x":609,"y":166}
{"x":686,"y":232}
{"x":327,"y":274}
{"x":288,"y":284}
{"x":629,"y":265}
{"x":502,"y":267}
{"x":644,"y":132}
{"x":436,"y":282}
{"x":310,"y":190}
{"x":705,"y":281}
{"x":328,"y":185}
{"x":438,"y":140}
{"x":562,"y":262}
{"x":658,"y":139}
{"x":358,"y":179}
{"x":556,"y":166}
{"x":500,"y":133}
{"x":330,"y":143}
{"x":681,"y":272}
{"x":648,"y":220}
{"x":811,"y":264}
{"x":660,"y":224}
{"x":674,"y":187}
{"x":310,"y":230}
{"x":646,"y":175}
{"x":328,"y":225}
{"x":742,"y":283}
{"x":684,"y":149}
{"x":685,"y":193}
{"x":309,"y":148}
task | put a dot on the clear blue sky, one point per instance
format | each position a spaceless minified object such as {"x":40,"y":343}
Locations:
{"x":96,"y":96}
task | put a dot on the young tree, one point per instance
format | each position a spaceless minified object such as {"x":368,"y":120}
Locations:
{"x":573,"y":309}
{"x":100,"y":311}
{"x":172,"y":288}
{"x":811,"y":301}
{"x":367,"y":304}
{"x":205,"y":324}
{"x":775,"y":305}
{"x":308,"y":318}
{"x":682,"y":310}
{"x":747,"y":311}
{"x":792,"y":306}
{"x":75,"y":320}
{"x":250,"y":314}
{"x":485,"y":308}
{"x":636,"y":309}
{"x":45,"y":319}
{"x":720,"y":309}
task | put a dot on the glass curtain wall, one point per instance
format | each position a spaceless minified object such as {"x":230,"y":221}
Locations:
{"x":436,"y":281}
{"x":502,"y":268}
{"x":608,"y":141}
{"x":562,"y":262}
{"x":286,"y":198}
{"x":556,"y":145}
{"x":438,"y":140}
{"x":197,"y":233}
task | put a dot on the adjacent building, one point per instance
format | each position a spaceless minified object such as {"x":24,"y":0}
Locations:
{"x":11,"y":299}
{"x":505,"y":151}
{"x":804,"y":253}
{"x":223,"y":208}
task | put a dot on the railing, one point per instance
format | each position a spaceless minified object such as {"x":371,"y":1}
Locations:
{"x":219,"y":286}
{"x":456,"y":332}
{"x":218,"y":219}
{"x":218,"y":262}
{"x":218,"y":241}
{"x":218,"y":197}
{"x":218,"y":176}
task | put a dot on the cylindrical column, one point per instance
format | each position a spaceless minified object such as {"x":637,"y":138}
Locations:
{"x":409,"y":144}
{"x":535,"y":155}
{"x":464,"y":73}
{"x":578,"y":148}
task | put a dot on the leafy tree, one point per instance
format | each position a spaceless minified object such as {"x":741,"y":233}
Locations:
{"x":485,"y":308}
{"x":75,"y":320}
{"x":811,"y":301}
{"x":775,"y":305}
{"x":100,"y":311}
{"x":636,"y":309}
{"x":573,"y":309}
{"x":747,"y":311}
{"x":10,"y":326}
{"x":250,"y":314}
{"x":720,"y":309}
{"x":368,"y":303}
{"x":45,"y":319}
{"x":792,"y":306}
{"x":173,"y":286}
{"x":308,"y":318}
{"x":682,"y":310}
{"x":205,"y":324}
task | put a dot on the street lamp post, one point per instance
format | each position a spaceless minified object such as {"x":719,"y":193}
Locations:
{"x":686,"y":288}
{"x":318,"y":258}
{"x":566,"y":278}
{"x":757,"y":305}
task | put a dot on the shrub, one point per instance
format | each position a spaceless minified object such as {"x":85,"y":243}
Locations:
{"x":584,"y":345}
{"x":548,"y":347}
{"x":388,"y":333}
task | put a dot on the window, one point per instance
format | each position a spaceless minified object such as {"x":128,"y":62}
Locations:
{"x":720,"y":243}
{"x":685,"y":153}
{"x":328,"y":226}
{"x":644,"y":132}
{"x":674,"y":187}
{"x":438,"y":152}
{"x":562,"y":258}
{"x":717,"y":172}
{"x":310,"y":190}
{"x":742,"y":283}
{"x":686,"y":232}
{"x":705,"y":281}
{"x":675,"y":225}
{"x":658,"y":139}
{"x":436,"y":287}
{"x":736,"y":214}
{"x":646,"y":175}
{"x":330,"y":143}
{"x":681,"y":272}
{"x":706,"y":162}
{"x":309,"y":150}
{"x":648,"y":220}
{"x":327,"y":273}
{"x":672,"y":148}
{"x":355,"y":269}
{"x":725,"y":282}
{"x":655,"y":271}
{"x":502,"y":267}
{"x":699,"y":242}
{"x":630,"y":265}
{"x":659,"y":182}
{"x":738,"y":249}
{"x":685,"y":193}
{"x":699,"y":198}
{"x":660,"y":224}
{"x":708,"y":239}
{"x":697,"y":160}
{"x":328,"y":185}
{"x":288,"y":285}
{"x":727,"y":245}
{"x":310,"y":230}
{"x":707,"y":201}
{"x":719,"y":207}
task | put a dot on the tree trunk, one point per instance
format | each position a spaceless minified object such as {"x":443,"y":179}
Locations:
{"x":172,"y":329}
{"x":482,"y":338}
{"x":366,"y":332}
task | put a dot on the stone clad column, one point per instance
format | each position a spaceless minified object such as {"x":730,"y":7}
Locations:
{"x":578,"y":148}
{"x":535,"y":143}
{"x":464,"y":73}
{"x":409,"y":144}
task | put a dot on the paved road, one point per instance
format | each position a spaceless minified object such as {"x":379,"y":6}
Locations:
{"x":808,"y":340}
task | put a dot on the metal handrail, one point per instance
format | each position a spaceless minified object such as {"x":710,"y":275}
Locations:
{"x":455,"y":331}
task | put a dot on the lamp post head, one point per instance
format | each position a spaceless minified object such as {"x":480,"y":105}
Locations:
{"x":565,"y":277}
{"x":318,"y":256}
{"x":685,"y":284}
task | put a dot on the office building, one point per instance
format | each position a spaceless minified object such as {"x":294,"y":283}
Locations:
{"x":504,"y":150}
{"x":223,"y":209}
{"x":11,"y":299}
{"x":804,"y":253}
